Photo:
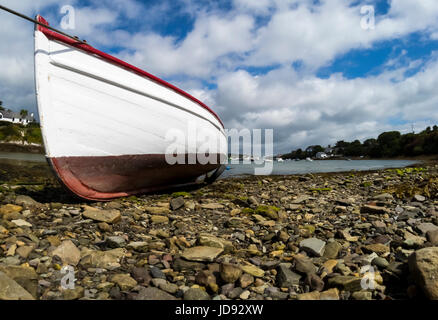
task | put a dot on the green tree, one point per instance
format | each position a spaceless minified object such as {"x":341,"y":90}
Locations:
{"x":23,"y":113}
{"x":389,"y":143}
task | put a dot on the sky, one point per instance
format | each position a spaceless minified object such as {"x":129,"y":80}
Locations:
{"x":315,"y":71}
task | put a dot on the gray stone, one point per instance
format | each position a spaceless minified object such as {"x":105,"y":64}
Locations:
{"x":286,"y":277}
{"x":230,"y":272}
{"x":432,"y":237}
{"x":201,"y":253}
{"x":314,"y":246}
{"x":423,"y":265}
{"x":151,"y":293}
{"x":25,"y":201}
{"x":177,"y":203}
{"x":332,"y":250}
{"x":419,"y":198}
{"x":11,"y":290}
{"x":68,"y":253}
{"x":115,"y":242}
{"x":108,"y":216}
{"x":426,"y":227}
{"x":196,"y":294}
{"x":380,"y":262}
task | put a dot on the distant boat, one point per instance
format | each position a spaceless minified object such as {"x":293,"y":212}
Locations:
{"x":308,"y":159}
{"x":105,"y":122}
{"x":280,"y":160}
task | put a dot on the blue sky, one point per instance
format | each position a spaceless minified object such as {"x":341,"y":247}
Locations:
{"x":306,"y":68}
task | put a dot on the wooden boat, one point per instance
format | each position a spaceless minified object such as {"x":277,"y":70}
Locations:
{"x":105,"y":123}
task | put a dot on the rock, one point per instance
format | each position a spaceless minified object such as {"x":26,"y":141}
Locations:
{"x":314,"y":282}
{"x":380,"y":262}
{"x":246,"y":280}
{"x":157,"y":210}
{"x":157,"y":273}
{"x":377,"y":248}
{"x":124,"y":281}
{"x":245,"y":295}
{"x":9,"y":209}
{"x":141,"y":275}
{"x":104,"y":226}
{"x":419,"y":198}
{"x":412,"y":240}
{"x":236,"y":292}
{"x":177,"y":203}
{"x":25,"y":201}
{"x":196,"y":294}
{"x":109,"y":216}
{"x":212,"y":206}
{"x":210,"y":241}
{"x":329,"y":265}
{"x":230,"y":272}
{"x":11,"y":290}
{"x":139,"y":246}
{"x":423,"y":265}
{"x":313,"y":246}
{"x":21,"y":223}
{"x":332,"y":250}
{"x":348,"y":283}
{"x":253,"y":270}
{"x":373,"y":209}
{"x":330,"y":294}
{"x":169,"y":287}
{"x":432,"y":237}
{"x":183,"y":265}
{"x":286,"y":277}
{"x":426,"y":227}
{"x":24,"y":251}
{"x":25,"y":276}
{"x":155,"y":219}
{"x":304,"y":265}
{"x":68,"y":252}
{"x":206,"y":278}
{"x":151,"y":293}
{"x":362,"y":295}
{"x":201,"y":253}
{"x":344,"y":234}
{"x":315,"y":295}
{"x":73,"y":294}
{"x":115,"y":242}
{"x":103,"y":259}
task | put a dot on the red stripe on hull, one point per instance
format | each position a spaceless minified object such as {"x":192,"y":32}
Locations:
{"x":103,"y":178}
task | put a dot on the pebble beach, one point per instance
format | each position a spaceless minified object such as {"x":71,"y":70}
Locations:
{"x":328,"y":236}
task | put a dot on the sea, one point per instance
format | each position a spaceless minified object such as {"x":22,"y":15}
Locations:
{"x":270,"y":168}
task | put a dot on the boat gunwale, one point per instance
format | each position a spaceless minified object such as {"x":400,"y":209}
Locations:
{"x":109,"y":58}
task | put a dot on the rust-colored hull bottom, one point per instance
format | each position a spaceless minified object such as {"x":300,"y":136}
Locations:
{"x":104,"y":178}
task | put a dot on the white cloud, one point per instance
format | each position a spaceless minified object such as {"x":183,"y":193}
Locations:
{"x":302,"y":108}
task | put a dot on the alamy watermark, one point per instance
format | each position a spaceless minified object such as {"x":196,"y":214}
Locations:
{"x":68,"y":281}
{"x":203,"y":145}
{"x":68,"y":21}
{"x":367,"y":282}
{"x":368,"y":21}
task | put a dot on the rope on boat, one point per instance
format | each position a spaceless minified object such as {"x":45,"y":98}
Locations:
{"x":41,"y":24}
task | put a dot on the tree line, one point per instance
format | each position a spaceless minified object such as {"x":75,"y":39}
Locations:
{"x":387,"y":145}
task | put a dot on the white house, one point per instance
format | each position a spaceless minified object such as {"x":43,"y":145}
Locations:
{"x":321,"y":155}
{"x":15,"y":117}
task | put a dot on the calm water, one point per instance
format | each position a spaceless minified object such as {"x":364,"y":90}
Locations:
{"x":279,"y":168}
{"x":22,"y":156}
{"x":303,"y":166}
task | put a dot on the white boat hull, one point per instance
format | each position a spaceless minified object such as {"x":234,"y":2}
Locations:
{"x":109,"y":131}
